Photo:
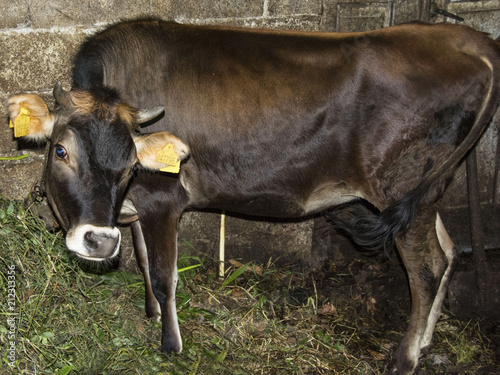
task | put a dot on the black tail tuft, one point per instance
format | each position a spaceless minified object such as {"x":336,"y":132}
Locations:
{"x":377,"y":231}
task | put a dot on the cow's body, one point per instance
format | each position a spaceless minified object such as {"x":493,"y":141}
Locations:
{"x":263,"y":111}
{"x":288,"y":124}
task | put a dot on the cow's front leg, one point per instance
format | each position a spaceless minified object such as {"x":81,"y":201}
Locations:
{"x":129,"y":215}
{"x":159,"y":214}
{"x":160,"y":235}
{"x":141,"y":255}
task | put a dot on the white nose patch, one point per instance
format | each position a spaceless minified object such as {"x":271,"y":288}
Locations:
{"x":94,"y":243}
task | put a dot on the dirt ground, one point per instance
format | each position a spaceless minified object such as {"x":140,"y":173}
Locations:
{"x":378,"y":287}
{"x":368,"y":298}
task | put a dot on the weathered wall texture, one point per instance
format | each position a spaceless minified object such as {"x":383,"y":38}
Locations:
{"x":39,"y":37}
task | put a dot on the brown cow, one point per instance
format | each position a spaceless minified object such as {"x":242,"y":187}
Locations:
{"x":279,"y":124}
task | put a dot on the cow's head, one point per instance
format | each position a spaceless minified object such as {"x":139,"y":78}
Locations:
{"x":95,"y":150}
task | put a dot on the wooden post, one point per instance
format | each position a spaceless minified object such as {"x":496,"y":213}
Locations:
{"x":222,"y":244}
{"x":476,"y":227}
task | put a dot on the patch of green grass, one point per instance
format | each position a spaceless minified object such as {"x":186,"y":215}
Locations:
{"x":258,"y":320}
{"x":65,"y":319}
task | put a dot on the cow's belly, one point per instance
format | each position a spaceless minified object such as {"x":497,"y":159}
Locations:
{"x":327,"y":196}
{"x":281,"y":202}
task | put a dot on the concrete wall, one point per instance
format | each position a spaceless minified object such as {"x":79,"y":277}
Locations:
{"x":39,"y":37}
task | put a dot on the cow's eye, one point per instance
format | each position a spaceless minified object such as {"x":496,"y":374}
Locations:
{"x":134,"y":169}
{"x":61,"y":152}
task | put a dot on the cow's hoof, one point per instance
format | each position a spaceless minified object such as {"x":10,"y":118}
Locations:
{"x":398,"y":371}
{"x":153,"y":310}
{"x":171,"y":346}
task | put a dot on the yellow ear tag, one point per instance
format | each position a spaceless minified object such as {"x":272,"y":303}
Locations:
{"x":168,"y":156}
{"x":21,"y":123}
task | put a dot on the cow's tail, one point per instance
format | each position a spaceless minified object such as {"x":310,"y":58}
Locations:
{"x":378,"y":231}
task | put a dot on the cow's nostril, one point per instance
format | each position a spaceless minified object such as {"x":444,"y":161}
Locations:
{"x":91,"y":241}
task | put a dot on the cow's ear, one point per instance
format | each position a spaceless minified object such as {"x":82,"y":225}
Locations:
{"x":30,"y":117}
{"x":161,"y":151}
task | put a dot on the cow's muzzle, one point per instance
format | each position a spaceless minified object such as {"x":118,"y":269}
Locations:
{"x":94,"y":243}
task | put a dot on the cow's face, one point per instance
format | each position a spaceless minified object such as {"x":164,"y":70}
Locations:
{"x":93,"y":156}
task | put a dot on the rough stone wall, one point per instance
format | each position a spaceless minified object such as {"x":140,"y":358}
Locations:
{"x":39,"y":37}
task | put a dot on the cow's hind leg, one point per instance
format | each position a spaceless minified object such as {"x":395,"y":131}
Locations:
{"x":141,"y":256}
{"x":429,"y":257}
{"x":448,"y":248}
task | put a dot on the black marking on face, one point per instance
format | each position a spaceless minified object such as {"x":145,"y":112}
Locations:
{"x":91,"y":163}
